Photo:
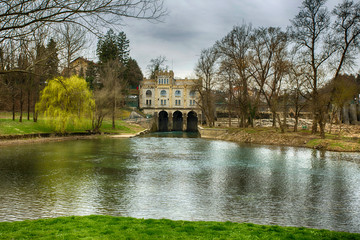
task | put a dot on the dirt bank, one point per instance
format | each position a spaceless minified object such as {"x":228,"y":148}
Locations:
{"x":40,"y":139}
{"x":271,"y":136}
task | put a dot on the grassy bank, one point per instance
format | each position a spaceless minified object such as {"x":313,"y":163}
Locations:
{"x":106,"y":227}
{"x":10,"y":127}
{"x":302,"y":138}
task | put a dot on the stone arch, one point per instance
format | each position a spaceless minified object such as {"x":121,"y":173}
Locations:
{"x":192,"y":122}
{"x":177,"y":121}
{"x":163,"y":121}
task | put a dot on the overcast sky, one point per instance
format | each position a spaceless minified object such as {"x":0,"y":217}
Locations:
{"x":193,"y":25}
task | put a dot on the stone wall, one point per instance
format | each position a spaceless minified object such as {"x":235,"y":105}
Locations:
{"x":212,"y":132}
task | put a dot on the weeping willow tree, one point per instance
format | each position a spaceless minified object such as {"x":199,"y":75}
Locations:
{"x":66,"y":101}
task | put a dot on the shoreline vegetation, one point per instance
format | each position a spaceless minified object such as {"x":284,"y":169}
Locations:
{"x":108,"y":227}
{"x":13,"y":132}
{"x":273,"y":136}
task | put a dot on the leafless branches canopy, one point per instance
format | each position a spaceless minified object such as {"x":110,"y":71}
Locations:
{"x":21,"y":17}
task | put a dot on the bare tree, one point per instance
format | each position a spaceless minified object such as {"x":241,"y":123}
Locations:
{"x":157,"y":64}
{"x":206,"y":70}
{"x":297,"y":90}
{"x":227,"y":76}
{"x":72,"y":40}
{"x":268,"y":65}
{"x":309,"y":30}
{"x":20,"y":18}
{"x":346,"y":34}
{"x":235,"y":46}
{"x":113,"y":86}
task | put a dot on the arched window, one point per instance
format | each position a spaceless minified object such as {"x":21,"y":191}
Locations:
{"x":177,"y":93}
{"x":163,"y":93}
{"x":192,"y":93}
{"x":148,"y":93}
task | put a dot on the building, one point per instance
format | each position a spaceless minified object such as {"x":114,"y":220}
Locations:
{"x":172,"y":102}
{"x":79,"y":67}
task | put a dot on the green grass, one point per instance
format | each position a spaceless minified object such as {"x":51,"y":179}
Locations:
{"x":314,"y":142}
{"x":106,"y":227}
{"x":120,"y":127}
{"x":10,"y":127}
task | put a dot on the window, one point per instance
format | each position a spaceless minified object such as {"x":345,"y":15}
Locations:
{"x":177,"y":102}
{"x":163,"y":93}
{"x":167,"y":81}
{"x":177,"y":93}
{"x":148,"y":102}
{"x":192,"y":102}
{"x":163,"y":102}
{"x":148,"y":93}
{"x":192,"y":93}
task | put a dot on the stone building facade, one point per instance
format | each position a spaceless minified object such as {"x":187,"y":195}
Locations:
{"x":172,"y":102}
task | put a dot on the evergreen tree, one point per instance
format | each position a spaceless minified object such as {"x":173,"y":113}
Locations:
{"x":91,"y":73}
{"x":52,"y":61}
{"x":107,"y":47}
{"x":112,"y":46}
{"x":133,"y":73}
{"x":123,"y":46}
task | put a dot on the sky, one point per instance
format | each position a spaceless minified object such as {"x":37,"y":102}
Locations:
{"x":193,"y":25}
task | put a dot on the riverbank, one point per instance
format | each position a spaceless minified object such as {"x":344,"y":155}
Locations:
{"x":107,"y":227}
{"x":273,"y":136}
{"x":27,"y":132}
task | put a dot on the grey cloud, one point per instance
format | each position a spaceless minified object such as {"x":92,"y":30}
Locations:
{"x":195,"y":25}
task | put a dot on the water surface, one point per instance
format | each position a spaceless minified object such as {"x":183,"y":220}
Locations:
{"x":164,"y":176}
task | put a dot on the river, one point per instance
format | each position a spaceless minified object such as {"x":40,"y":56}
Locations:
{"x":187,"y":178}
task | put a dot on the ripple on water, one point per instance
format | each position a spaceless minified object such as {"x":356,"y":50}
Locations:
{"x":181,"y":178}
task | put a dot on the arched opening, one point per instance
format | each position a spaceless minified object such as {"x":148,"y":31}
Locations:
{"x":163,"y":121}
{"x":177,"y":121}
{"x":163,"y":93}
{"x":192,"y":122}
{"x":148,"y":93}
{"x":177,"y":93}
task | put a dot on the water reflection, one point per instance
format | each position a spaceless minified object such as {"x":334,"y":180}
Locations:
{"x":181,"y":178}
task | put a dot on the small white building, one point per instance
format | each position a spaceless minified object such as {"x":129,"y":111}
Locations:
{"x":173,"y":102}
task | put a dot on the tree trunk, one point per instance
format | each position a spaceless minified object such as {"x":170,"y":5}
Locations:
{"x":282,"y":128}
{"x":322,"y":123}
{"x":229,"y":106}
{"x":13,"y":106}
{"x":21,"y":105}
{"x":273,"y":118}
{"x":28,"y":104}
{"x":314,"y":125}
{"x":296,"y":122}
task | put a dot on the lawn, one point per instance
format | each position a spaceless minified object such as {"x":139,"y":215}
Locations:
{"x":106,"y":227}
{"x":10,"y":127}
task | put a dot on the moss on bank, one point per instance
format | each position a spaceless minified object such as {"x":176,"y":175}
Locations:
{"x":106,"y":227}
